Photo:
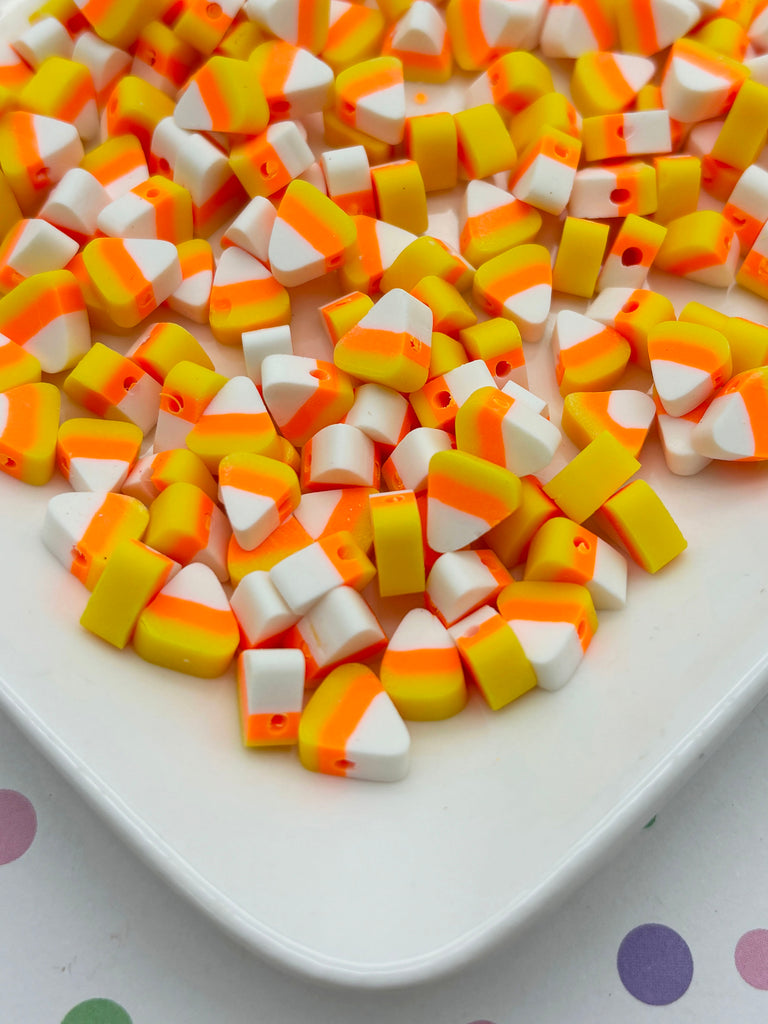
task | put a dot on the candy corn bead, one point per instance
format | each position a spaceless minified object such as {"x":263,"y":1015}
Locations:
{"x":260,"y":611}
{"x":36,"y":152}
{"x":554,"y":623}
{"x":157,"y":208}
{"x":189,"y":626}
{"x":421,"y":669}
{"x":753,"y":272}
{"x":450,"y":312}
{"x":437,"y":403}
{"x":589,"y":356}
{"x":46,"y":315}
{"x":614,"y":190}
{"x":485,"y":146}
{"x":571,"y":29}
{"x":698,"y":83}
{"x":382,"y":414}
{"x":512,"y":82}
{"x":633,"y":251}
{"x":289,"y":537}
{"x":136,"y":108}
{"x":10,"y":212}
{"x":155,"y":471}
{"x":606,"y":83}
{"x":337,"y":133}
{"x":748,"y":340}
{"x":339,"y":455}
{"x":97,"y":455}
{"x":688,"y":362}
{"x":562,"y":552}
{"x":742,"y":136}
{"x":29,"y":420}
{"x":303,"y":395}
{"x":187,"y":390}
{"x":370,"y":97}
{"x":203,"y":25}
{"x":74,"y":204}
{"x":734,"y":424}
{"x":482,"y":29}
{"x":63,"y":89}
{"x":269,"y":161}
{"x":251,"y":229}
{"x":105,"y":62}
{"x":162,"y":58}
{"x":164,"y":345}
{"x":32,"y":247}
{"x":355,"y":33}
{"x":258,"y":494}
{"x":517,"y":284}
{"x":633,"y":313}
{"x":45,"y":37}
{"x":628,"y":415}
{"x":245,"y":296}
{"x":295,"y":82}
{"x":17,"y":366}
{"x":132,"y":276}
{"x":408,"y":465}
{"x":700,"y":246}
{"x":322,"y":513}
{"x":460,"y":581}
{"x":491,"y":221}
{"x":639,"y":520}
{"x":263,"y":342}
{"x":676,"y":437}
{"x":311,"y":235}
{"x":512,"y":537}
{"x":350,"y":727}
{"x":649,"y":26}
{"x":545,"y":173}
{"x":505,"y":431}
{"x":493,"y":657}
{"x":466,"y":497}
{"x":301,"y":22}
{"x":419,"y":40}
{"x":378,"y":245}
{"x":235,"y":420}
{"x":390,"y":344}
{"x":339,"y":628}
{"x":552,"y":110}
{"x":591,"y":477}
{"x":397,"y":532}
{"x":426,"y":256}
{"x":634,"y":133}
{"x":340,"y":315}
{"x":113,"y":386}
{"x":335,"y":560}
{"x":192,"y":297}
{"x":348,"y":179}
{"x":82,"y":529}
{"x":678,"y":181}
{"x":579,"y":256}
{"x":118,"y":164}
{"x":430,"y":140}
{"x":400,"y":196}
{"x":747,"y":206}
{"x":188,"y":526}
{"x":270,"y":688}
{"x":132,"y":576}
{"x":224,"y":95}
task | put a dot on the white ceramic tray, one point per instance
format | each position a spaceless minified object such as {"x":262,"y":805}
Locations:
{"x":377,"y":885}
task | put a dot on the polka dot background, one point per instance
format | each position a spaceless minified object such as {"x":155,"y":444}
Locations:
{"x":18,"y":825}
{"x":97,"y":1011}
{"x":751,"y":957}
{"x":655,"y":964}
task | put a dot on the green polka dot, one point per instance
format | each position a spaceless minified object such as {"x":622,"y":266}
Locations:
{"x":97,"y":1011}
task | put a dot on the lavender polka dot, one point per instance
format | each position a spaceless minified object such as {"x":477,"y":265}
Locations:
{"x":751,"y":957}
{"x":18,"y":825}
{"x":655,"y":964}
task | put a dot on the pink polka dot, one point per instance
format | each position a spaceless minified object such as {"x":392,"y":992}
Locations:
{"x":751,"y":957}
{"x":18,"y":825}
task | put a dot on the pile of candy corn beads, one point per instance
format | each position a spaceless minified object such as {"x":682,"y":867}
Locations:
{"x":159,"y":170}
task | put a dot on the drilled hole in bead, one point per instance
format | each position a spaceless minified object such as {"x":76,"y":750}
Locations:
{"x":581,"y":544}
{"x":113,"y":105}
{"x":503,"y":368}
{"x":738,"y":220}
{"x":631,"y":256}
{"x":7,"y":462}
{"x":163,"y":166}
{"x":280,"y":106}
{"x":344,"y":763}
{"x":630,"y":307}
{"x":42,"y":176}
{"x":319,"y":374}
{"x":129,"y":383}
{"x":213,"y":11}
{"x":278,"y":722}
{"x":335,"y":261}
{"x":493,"y":78}
{"x":348,"y":108}
{"x":346,"y":552}
{"x":581,"y":629}
{"x":150,"y":57}
{"x":561,"y":151}
{"x":414,"y":343}
{"x":443,"y":399}
{"x":619,"y":196}
{"x":152,"y":193}
{"x":620,"y":131}
{"x":78,"y":556}
{"x":174,"y":403}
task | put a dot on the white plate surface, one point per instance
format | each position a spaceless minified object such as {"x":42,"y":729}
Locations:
{"x":377,"y":885}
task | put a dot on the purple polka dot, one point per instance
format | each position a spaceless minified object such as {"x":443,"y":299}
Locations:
{"x":655,"y":964}
{"x":18,"y":825}
{"x":751,"y":957}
